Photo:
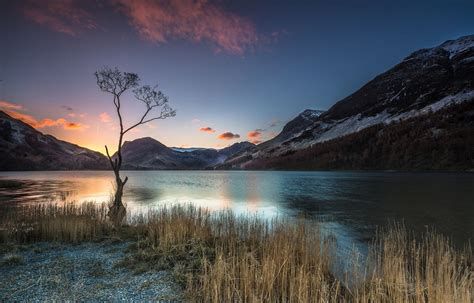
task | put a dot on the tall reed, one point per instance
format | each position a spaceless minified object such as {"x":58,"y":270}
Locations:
{"x":250,"y":259}
{"x":221,"y":257}
{"x":67,"y":222}
{"x":402,"y":268}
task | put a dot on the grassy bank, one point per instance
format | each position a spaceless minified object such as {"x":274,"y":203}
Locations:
{"x":221,"y":257}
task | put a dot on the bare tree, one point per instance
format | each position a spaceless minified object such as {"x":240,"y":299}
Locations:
{"x":116,"y":83}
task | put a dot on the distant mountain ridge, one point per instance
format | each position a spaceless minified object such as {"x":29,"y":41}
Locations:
{"x":433,"y":83}
{"x":149,"y":154}
{"x":24,"y":148}
{"x":426,"y":81}
{"x":442,"y":140}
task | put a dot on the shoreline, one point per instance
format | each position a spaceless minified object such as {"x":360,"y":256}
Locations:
{"x":223,"y":257}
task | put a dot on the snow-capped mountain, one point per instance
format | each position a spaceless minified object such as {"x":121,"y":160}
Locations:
{"x":24,"y":148}
{"x":295,"y":127}
{"x":187,"y":149}
{"x":431,"y":90}
{"x":426,"y":81}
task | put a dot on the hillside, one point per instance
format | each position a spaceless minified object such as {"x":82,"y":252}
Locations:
{"x":148,"y":154}
{"x":442,"y":140}
{"x":24,"y":148}
{"x":426,"y":81}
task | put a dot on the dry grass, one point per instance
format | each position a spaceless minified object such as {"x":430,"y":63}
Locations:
{"x":224,"y":258}
{"x":55,"y":222}
{"x":221,"y":257}
{"x":403,"y":269}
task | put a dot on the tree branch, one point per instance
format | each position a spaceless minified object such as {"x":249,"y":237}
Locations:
{"x":110,"y":158}
{"x":139,"y":122}
{"x":116,"y":83}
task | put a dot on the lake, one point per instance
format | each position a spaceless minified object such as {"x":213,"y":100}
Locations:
{"x":352,"y":204}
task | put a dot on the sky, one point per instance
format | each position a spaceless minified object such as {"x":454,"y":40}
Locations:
{"x":233,"y":70}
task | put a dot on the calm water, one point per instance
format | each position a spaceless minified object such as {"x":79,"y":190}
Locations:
{"x":351,"y":203}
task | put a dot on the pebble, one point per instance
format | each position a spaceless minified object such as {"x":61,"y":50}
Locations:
{"x":85,"y":273}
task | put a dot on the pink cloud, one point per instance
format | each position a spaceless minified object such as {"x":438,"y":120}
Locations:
{"x":59,"y":122}
{"x":255,"y":136}
{"x":228,"y":136}
{"x":194,"y":20}
{"x":11,"y":109}
{"x":207,"y":130}
{"x":65,"y":124}
{"x":23,"y":117}
{"x":104,"y":117}
{"x":9,"y":105}
{"x":64,"y":16}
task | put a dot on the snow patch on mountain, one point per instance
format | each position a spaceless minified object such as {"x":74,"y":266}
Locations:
{"x":448,"y":100}
{"x":457,"y":46}
{"x":17,"y":130}
{"x":187,"y":149}
{"x":356,"y":123}
{"x":311,"y":114}
{"x":325,"y":131}
{"x":350,"y":125}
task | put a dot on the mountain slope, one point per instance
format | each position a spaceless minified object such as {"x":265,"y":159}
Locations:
{"x":422,"y":78}
{"x":148,"y":153}
{"x":442,"y":140}
{"x":426,"y":81}
{"x":294,"y":127}
{"x":24,"y":148}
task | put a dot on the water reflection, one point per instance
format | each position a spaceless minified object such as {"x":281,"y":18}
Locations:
{"x":355,"y":202}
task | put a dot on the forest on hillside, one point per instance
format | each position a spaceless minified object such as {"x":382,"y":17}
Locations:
{"x":442,"y":140}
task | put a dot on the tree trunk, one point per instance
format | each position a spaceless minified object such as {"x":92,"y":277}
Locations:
{"x":118,"y":193}
{"x":117,"y":210}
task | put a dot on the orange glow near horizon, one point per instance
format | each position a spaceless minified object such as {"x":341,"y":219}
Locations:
{"x":94,"y":131}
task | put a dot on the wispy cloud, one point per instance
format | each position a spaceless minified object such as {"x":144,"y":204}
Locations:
{"x":71,"y":112}
{"x":8,"y":105}
{"x":194,"y":20}
{"x":64,"y":16}
{"x":59,"y":122}
{"x":195,"y":120}
{"x":12,"y":109}
{"x":228,"y":136}
{"x":104,"y":117}
{"x":28,"y":119}
{"x":255,"y":136}
{"x":23,"y":117}
{"x":207,"y":129}
{"x":274,"y":122}
{"x":159,"y":21}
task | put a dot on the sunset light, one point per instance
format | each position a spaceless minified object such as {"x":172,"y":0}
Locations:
{"x":236,"y":151}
